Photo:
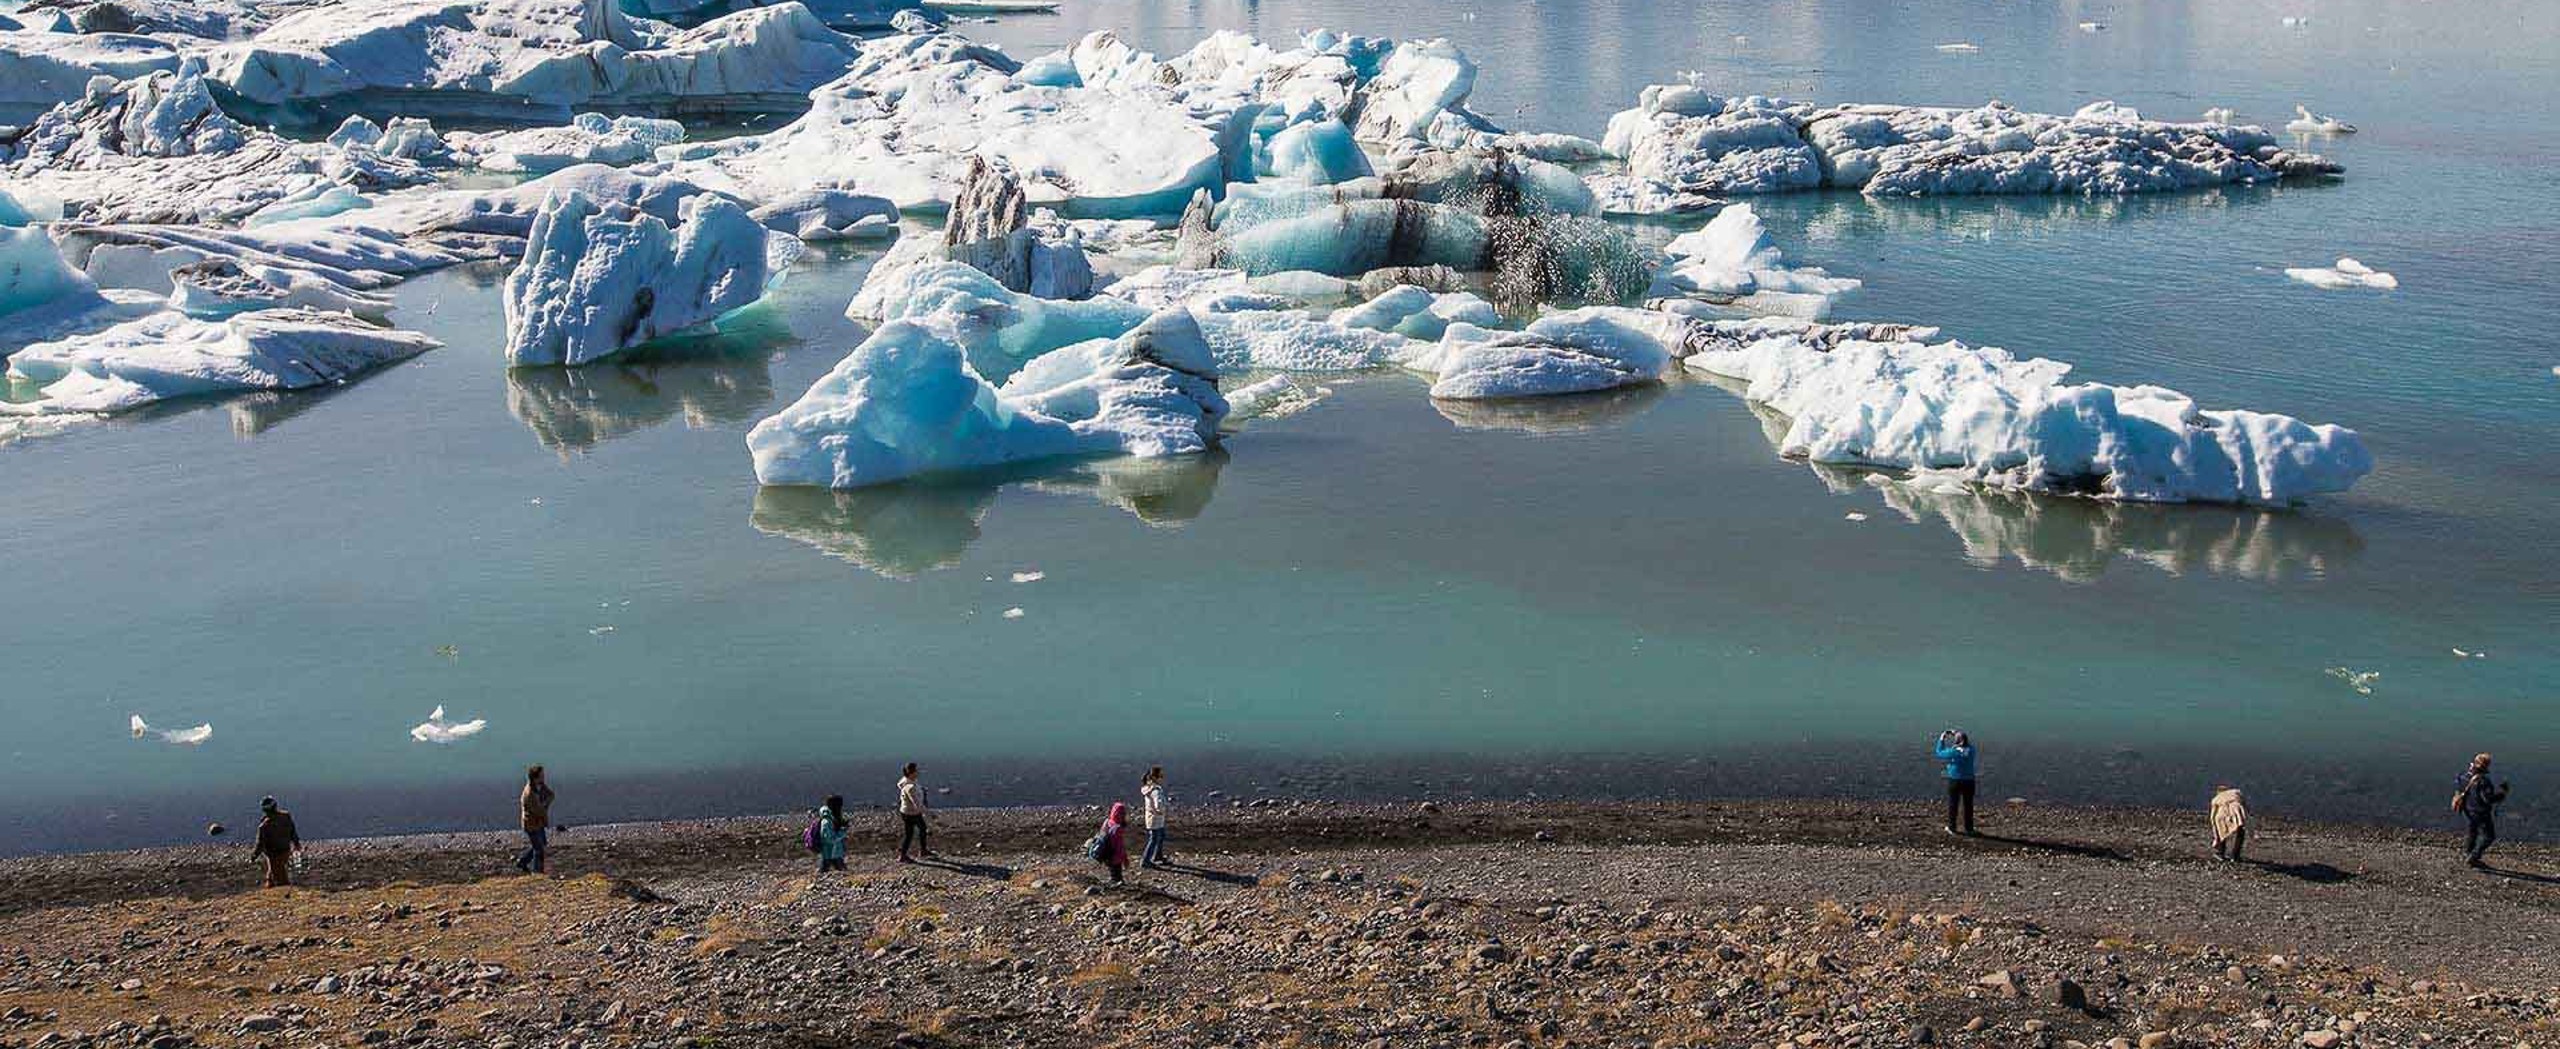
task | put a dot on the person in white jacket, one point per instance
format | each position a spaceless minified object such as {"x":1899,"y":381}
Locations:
{"x":911,"y":808}
{"x":1151,"y":795}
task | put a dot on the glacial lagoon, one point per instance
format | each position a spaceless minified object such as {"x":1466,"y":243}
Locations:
{"x":1616,"y":594}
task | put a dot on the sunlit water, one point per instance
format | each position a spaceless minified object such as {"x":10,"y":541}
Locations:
{"x":1627,"y":595}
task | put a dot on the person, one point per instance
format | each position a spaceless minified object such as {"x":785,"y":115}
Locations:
{"x":831,"y":834}
{"x":911,"y":808}
{"x":2230,"y":819}
{"x":534,"y":810}
{"x":2477,"y":799}
{"x":1956,"y":750}
{"x":1151,"y":802}
{"x":1110,"y":847}
{"x":278,"y":841}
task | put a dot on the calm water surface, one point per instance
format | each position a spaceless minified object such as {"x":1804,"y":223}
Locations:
{"x":1626,"y":595}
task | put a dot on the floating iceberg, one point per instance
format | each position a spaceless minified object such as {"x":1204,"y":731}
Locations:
{"x":1681,"y":142}
{"x":1873,"y":396}
{"x":907,"y":402}
{"x":182,"y":736}
{"x":143,"y":257}
{"x":999,"y":327}
{"x":2309,"y":123}
{"x":2348,"y":273}
{"x":990,"y":229}
{"x":1417,"y":312}
{"x":170,"y":354}
{"x":1291,"y":340}
{"x":590,"y":138}
{"x":222,"y":287}
{"x":157,"y":149}
{"x":1277,"y":397}
{"x":438,"y":730}
{"x":514,"y":59}
{"x":1731,"y":261}
{"x":1594,"y":348}
{"x":597,"y":279}
{"x":41,"y":68}
{"x":829,"y":214}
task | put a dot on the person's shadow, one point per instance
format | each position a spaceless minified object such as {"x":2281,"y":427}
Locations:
{"x":2092,"y":852}
{"x":989,"y":871}
{"x":2316,"y":873}
{"x":1208,"y":874}
{"x":2510,"y":875}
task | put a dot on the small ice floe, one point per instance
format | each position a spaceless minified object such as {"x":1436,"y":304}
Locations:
{"x":449,"y":651}
{"x":438,"y":730}
{"x":2093,"y":27}
{"x":1739,"y":39}
{"x":2359,"y":680}
{"x":2460,"y":654}
{"x":2296,"y":21}
{"x":1853,"y":516}
{"x":1029,"y":577}
{"x":2309,"y":123}
{"x":182,"y":736}
{"x":2348,"y":273}
{"x":1274,"y":398}
{"x":1959,"y":47}
{"x":2220,"y":115}
{"x":600,"y":631}
{"x":1013,"y":613}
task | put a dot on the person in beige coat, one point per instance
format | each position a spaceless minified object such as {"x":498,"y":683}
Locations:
{"x":2230,"y":815}
{"x":533,"y":811}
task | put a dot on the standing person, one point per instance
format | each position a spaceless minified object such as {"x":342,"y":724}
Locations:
{"x":2230,"y":819}
{"x":1956,"y":750}
{"x":534,"y":809}
{"x":1110,"y":846}
{"x":911,"y":808}
{"x":1151,"y":802}
{"x":2477,"y":799}
{"x":278,"y":841}
{"x":831,"y":834}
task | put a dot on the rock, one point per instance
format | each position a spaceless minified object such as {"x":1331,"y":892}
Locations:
{"x":2003,"y":981}
{"x":2070,"y":995}
{"x":2157,"y":1040}
{"x":262,"y":1022}
{"x":1492,"y":954}
{"x":1543,"y":836}
{"x":2322,"y":1039}
{"x":1924,"y":1035}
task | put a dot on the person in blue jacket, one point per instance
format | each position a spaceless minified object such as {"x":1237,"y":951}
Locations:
{"x":1956,"y":750}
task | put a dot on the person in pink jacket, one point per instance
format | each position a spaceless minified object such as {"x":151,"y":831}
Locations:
{"x":1111,"y":846}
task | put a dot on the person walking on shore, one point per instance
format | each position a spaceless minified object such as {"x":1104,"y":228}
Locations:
{"x":2230,"y":819}
{"x":277,"y":843}
{"x":1110,"y":845}
{"x":1955,"y":749}
{"x":911,"y":809}
{"x":830,"y":834}
{"x":2477,"y":799}
{"x":1151,"y":803}
{"x":534,"y":809}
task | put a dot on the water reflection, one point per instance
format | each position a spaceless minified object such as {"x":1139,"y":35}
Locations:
{"x":251,"y":414}
{"x":1838,"y":215}
{"x":711,"y":379}
{"x":907,"y":529}
{"x":1572,"y":413}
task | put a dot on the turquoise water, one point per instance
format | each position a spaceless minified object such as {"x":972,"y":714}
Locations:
{"x":1623,"y":595}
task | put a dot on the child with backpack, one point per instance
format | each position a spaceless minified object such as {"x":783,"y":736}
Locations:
{"x":1108,"y":846}
{"x":825,"y":834}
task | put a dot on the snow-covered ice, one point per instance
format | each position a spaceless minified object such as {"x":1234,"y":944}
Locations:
{"x":1875,"y":397}
{"x":182,"y":736}
{"x":1418,"y":312}
{"x":223,"y":287}
{"x":589,"y":138}
{"x":597,"y":279}
{"x":2347,"y":273}
{"x":1731,"y":261}
{"x":1577,"y":351}
{"x":40,"y":68}
{"x":2309,"y":123}
{"x":170,"y":354}
{"x":438,"y":730}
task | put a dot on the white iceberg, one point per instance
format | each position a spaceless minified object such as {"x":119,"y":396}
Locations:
{"x":170,"y":354}
{"x":999,"y":327}
{"x":438,"y":730}
{"x":1577,"y":351}
{"x":1731,"y":261}
{"x":1874,"y":396}
{"x":597,"y":279}
{"x":1417,"y":312}
{"x":907,"y":402}
{"x":42,"y":68}
{"x":182,"y":736}
{"x":143,"y":257}
{"x":1277,"y":397}
{"x":1318,"y":151}
{"x":589,"y":138}
{"x":2309,"y":123}
{"x":1682,"y":142}
{"x":829,"y":214}
{"x":222,"y":287}
{"x":1291,"y":340}
{"x":34,"y":276}
{"x":2348,"y":273}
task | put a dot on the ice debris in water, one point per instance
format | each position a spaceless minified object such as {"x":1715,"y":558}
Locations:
{"x":1879,"y":395}
{"x":1577,"y":351}
{"x":600,"y":631}
{"x":600,"y":278}
{"x":2093,"y":27}
{"x":2348,"y":273}
{"x":438,"y":730}
{"x":2462,"y":654}
{"x":2359,"y":680}
{"x":1732,"y":262}
{"x":1029,"y":577}
{"x":907,"y":401}
{"x":590,"y":138}
{"x":1959,"y":47}
{"x":2220,"y":115}
{"x":183,"y":736}
{"x":2309,"y":123}
{"x":170,"y":354}
{"x":1277,"y":397}
{"x":1853,"y":516}
{"x":1013,"y":613}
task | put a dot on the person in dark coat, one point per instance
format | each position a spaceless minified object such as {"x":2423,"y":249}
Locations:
{"x":534,"y":813}
{"x":2478,"y":802}
{"x":277,"y":842}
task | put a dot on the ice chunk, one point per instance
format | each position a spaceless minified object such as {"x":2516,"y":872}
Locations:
{"x":989,"y":229}
{"x":1531,"y":257}
{"x":170,"y":354}
{"x":999,"y":327}
{"x":907,"y":402}
{"x":2359,"y":680}
{"x":829,"y":214}
{"x":438,"y":730}
{"x":33,"y":274}
{"x":2348,"y":273}
{"x":1960,"y":47}
{"x":1290,"y":340}
{"x":1683,"y":142}
{"x":2309,"y":123}
{"x":1876,"y":396}
{"x":504,"y":58}
{"x":182,"y":736}
{"x":590,"y":138}
{"x":41,"y":68}
{"x":1420,"y":93}
{"x":1594,"y":348}
{"x":1732,"y":261}
{"x":1277,"y":397}
{"x":1417,"y":312}
{"x":218,"y":288}
{"x":598,"y":279}
{"x":1319,"y":151}
{"x":143,"y":256}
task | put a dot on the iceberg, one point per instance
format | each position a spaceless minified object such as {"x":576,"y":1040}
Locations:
{"x":218,"y":288}
{"x":33,"y":275}
{"x":521,"y":59}
{"x":597,"y":279}
{"x":1531,"y":257}
{"x":157,"y":149}
{"x":1277,"y":397}
{"x":42,"y":68}
{"x":1875,"y":396}
{"x":1319,"y":151}
{"x":1578,"y":351}
{"x":589,"y":138}
{"x":988,"y":229}
{"x":1000,"y":327}
{"x":182,"y":736}
{"x":1417,"y":312}
{"x":438,"y":730}
{"x":1731,"y":261}
{"x":2348,"y":273}
{"x":142,"y":257}
{"x":1291,"y":340}
{"x":829,"y":214}
{"x":2309,"y":123}
{"x":1681,"y":143}
{"x":169,"y":354}
{"x":907,"y":402}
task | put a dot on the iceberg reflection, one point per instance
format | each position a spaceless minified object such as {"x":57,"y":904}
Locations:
{"x":1569,"y":413}
{"x":574,"y":409}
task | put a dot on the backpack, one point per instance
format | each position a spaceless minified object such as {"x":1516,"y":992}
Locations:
{"x":1093,"y":847}
{"x":809,"y":836}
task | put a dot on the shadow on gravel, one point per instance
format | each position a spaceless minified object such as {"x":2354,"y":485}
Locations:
{"x":2316,"y":873}
{"x":992,"y":871}
{"x":1206,"y":874}
{"x":2091,"y":852}
{"x":2538,"y":879}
